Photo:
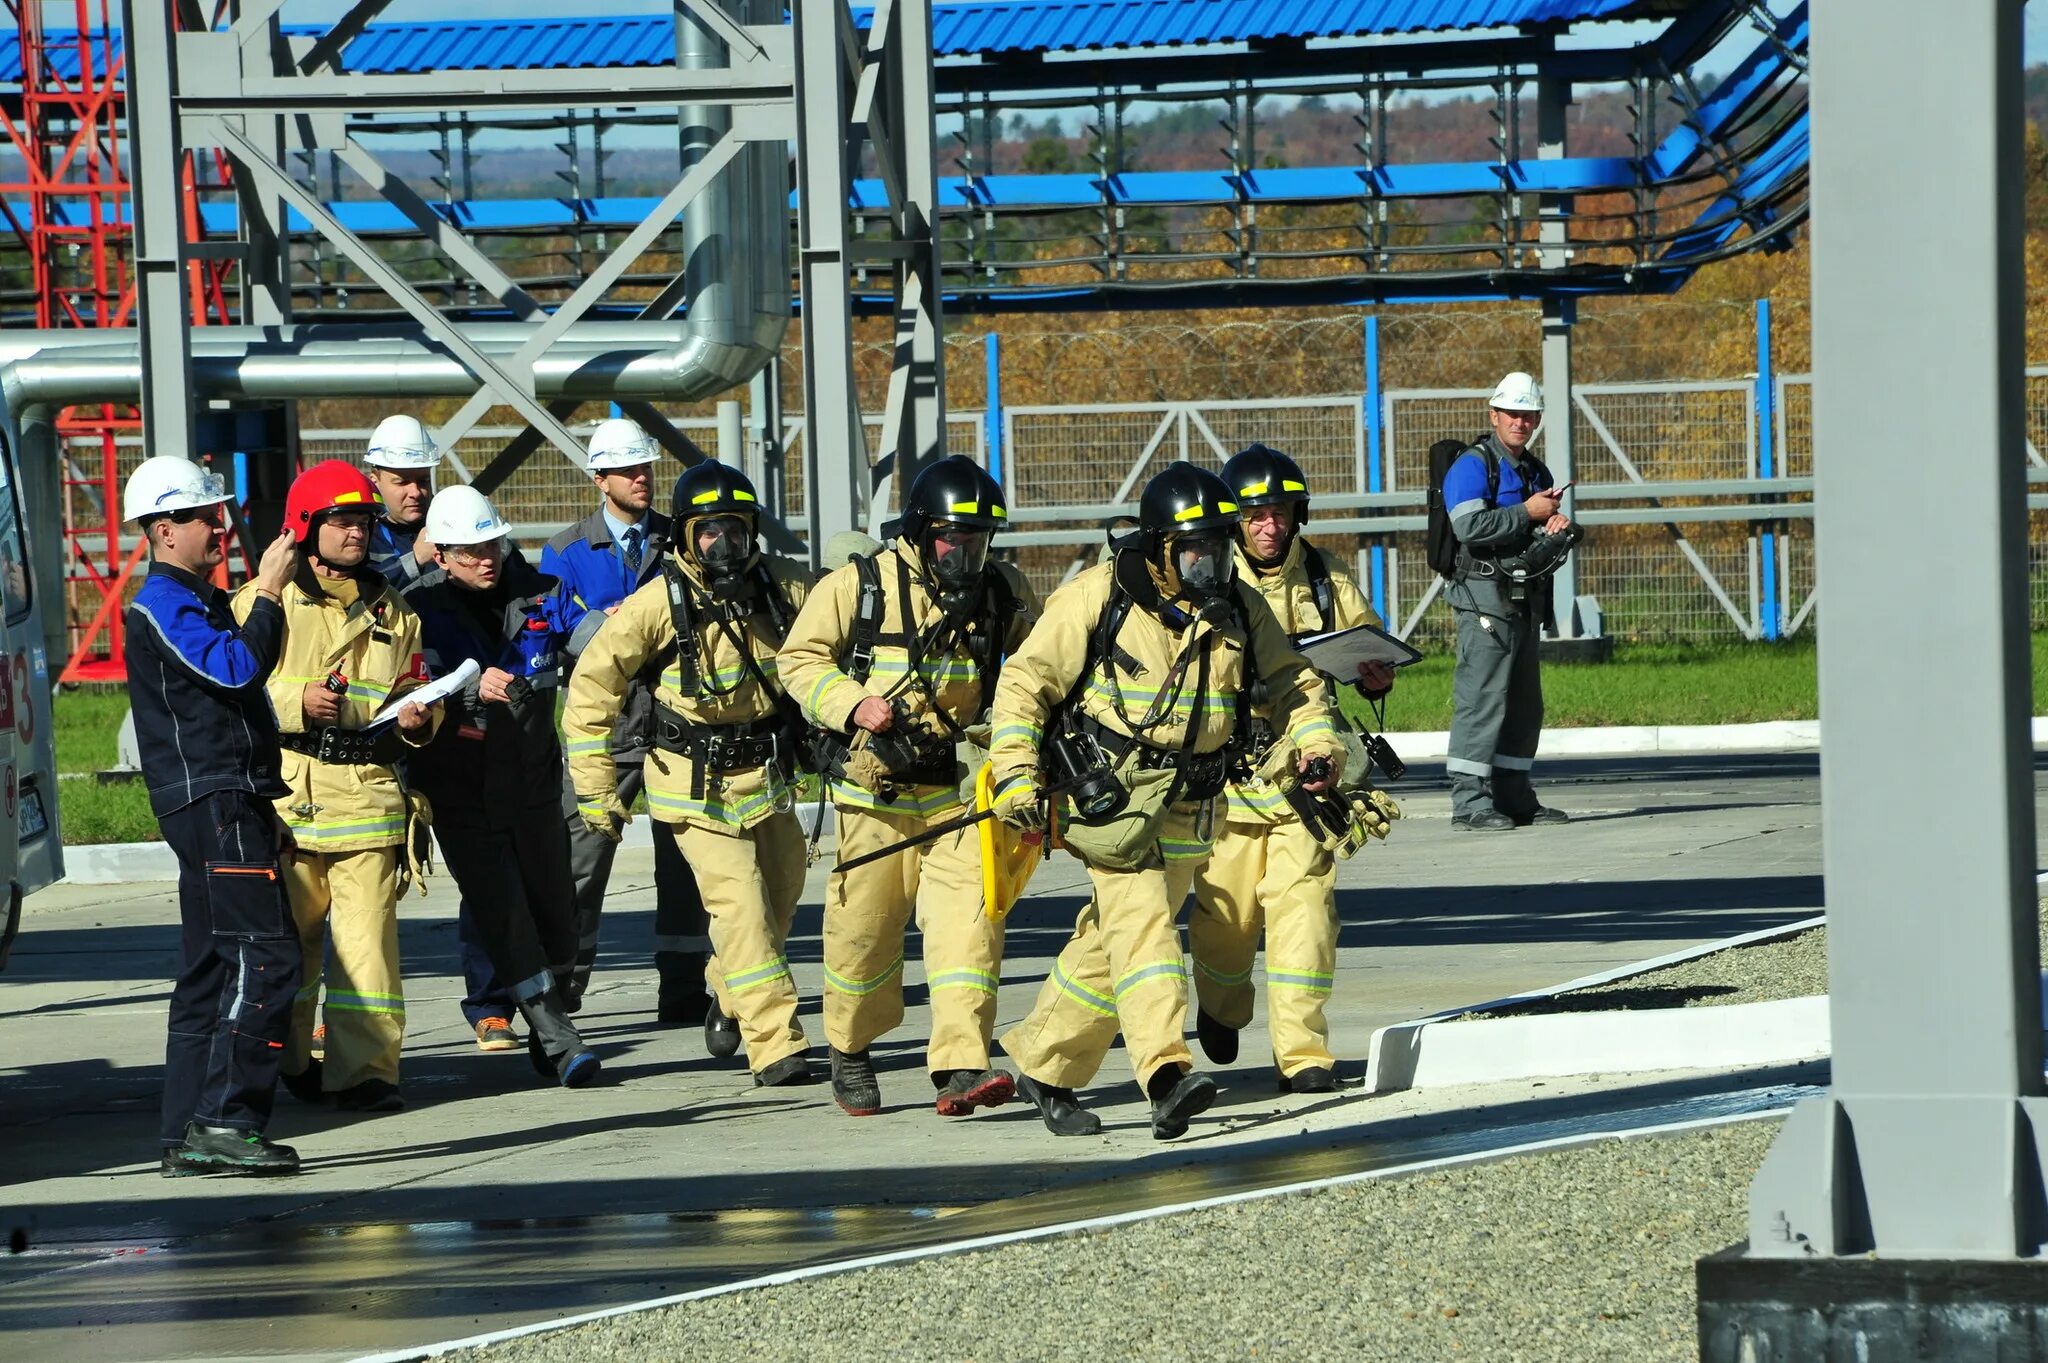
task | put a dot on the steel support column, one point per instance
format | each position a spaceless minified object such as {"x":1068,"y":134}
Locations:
{"x":1930,"y":1144}
{"x":158,"y":152}
{"x":1553,"y":98}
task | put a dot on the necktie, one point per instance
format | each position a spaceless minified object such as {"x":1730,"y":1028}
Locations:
{"x":631,"y":545}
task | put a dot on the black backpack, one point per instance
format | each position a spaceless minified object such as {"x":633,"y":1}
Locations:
{"x":1443,"y":544}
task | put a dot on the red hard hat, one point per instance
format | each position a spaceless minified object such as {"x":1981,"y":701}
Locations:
{"x":327,"y":486}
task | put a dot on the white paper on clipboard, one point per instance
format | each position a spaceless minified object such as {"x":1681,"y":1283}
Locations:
{"x":1341,"y":650}
{"x":440,"y":688}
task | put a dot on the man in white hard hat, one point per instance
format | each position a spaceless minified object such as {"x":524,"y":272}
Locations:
{"x":401,"y":459}
{"x":493,"y":769}
{"x":210,"y":760}
{"x":601,"y":560}
{"x":1499,"y":497}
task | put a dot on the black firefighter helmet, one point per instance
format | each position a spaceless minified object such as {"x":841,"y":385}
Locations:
{"x":954,"y":500}
{"x":1260,"y":475}
{"x":716,"y":504}
{"x":1187,"y":518}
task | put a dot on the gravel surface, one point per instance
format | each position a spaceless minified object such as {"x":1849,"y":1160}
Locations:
{"x":1788,"y":968}
{"x":1578,"y":1256}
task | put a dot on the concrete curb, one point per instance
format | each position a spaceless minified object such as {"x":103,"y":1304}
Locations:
{"x":1406,"y":1054}
{"x":1785,"y":735}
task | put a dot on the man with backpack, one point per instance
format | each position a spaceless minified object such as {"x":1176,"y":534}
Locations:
{"x":894,"y":658}
{"x":1130,"y":704}
{"x":1493,"y":504}
{"x":1270,"y":874}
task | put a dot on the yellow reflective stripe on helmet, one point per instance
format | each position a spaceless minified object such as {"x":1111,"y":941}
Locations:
{"x":1289,"y":485}
{"x":966,"y":508}
{"x":1226,"y":506}
{"x":740,"y":494}
{"x":1188,"y":514}
{"x":704,"y":497}
{"x":1252,"y":490}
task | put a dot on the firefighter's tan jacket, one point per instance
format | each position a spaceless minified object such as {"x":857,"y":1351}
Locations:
{"x":824,"y":630}
{"x":1287,"y":590}
{"x":362,"y":629}
{"x":642,"y":628}
{"x":1042,"y":672}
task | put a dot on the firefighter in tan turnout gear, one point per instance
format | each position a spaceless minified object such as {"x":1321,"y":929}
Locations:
{"x":724,"y":751}
{"x":1269,"y":871}
{"x":1137,"y":687}
{"x":351,"y":646}
{"x":894,"y":658}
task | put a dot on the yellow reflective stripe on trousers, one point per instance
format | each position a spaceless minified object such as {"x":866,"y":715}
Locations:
{"x":1310,"y":981}
{"x":1184,"y":849}
{"x":835,"y":980}
{"x":364,"y":1002}
{"x":739,"y":981}
{"x":732,"y":812}
{"x":1151,"y":970}
{"x":963,"y":978}
{"x":1228,"y":978}
{"x":1082,"y":994}
{"x":935,"y":799}
{"x":393,"y":824}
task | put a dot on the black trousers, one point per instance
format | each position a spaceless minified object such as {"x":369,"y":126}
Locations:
{"x":239,"y":968}
{"x":682,"y":928}
{"x":522,"y":904}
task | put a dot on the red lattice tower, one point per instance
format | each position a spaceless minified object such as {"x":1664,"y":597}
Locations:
{"x":69,"y":139}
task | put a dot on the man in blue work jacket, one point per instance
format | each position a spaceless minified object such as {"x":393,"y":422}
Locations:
{"x":400,"y":460}
{"x":209,"y":750}
{"x":601,"y":560}
{"x":1499,"y":497}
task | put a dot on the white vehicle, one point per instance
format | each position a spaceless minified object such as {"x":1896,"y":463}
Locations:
{"x":34,"y":856}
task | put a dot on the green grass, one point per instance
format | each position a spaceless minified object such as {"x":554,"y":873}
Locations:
{"x":87,"y":727}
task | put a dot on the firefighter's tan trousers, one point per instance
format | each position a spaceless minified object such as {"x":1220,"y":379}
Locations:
{"x":1279,"y":878}
{"x":751,"y":879}
{"x":351,"y":900}
{"x":1121,"y":969}
{"x":866,"y":911}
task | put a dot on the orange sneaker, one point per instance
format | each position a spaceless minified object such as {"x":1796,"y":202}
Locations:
{"x":495,"y":1034}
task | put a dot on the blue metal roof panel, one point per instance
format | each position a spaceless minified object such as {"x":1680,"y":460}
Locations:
{"x":1172,"y":187}
{"x":995,"y":28}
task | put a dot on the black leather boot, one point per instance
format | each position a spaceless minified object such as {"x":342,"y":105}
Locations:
{"x":1062,"y":1115}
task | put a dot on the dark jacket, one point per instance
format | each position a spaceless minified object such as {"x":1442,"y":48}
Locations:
{"x":391,"y":554}
{"x":203,"y":721}
{"x":594,"y":579}
{"x":490,"y":760}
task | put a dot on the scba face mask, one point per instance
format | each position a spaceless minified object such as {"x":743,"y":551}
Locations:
{"x":1203,"y":563}
{"x":957,"y":555}
{"x":722,"y":544}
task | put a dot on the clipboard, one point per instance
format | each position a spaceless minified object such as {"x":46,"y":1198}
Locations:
{"x":1339,"y":652}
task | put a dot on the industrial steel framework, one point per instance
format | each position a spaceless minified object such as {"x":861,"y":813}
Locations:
{"x":260,"y":97}
{"x":72,"y":221}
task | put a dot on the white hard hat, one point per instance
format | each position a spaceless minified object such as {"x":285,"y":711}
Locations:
{"x":620,"y":444}
{"x":461,"y":515}
{"x":165,"y":482}
{"x":1517,"y":393}
{"x":400,"y":442}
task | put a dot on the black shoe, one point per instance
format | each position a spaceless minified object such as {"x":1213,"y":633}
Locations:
{"x":1063,"y":1116}
{"x":1314,"y":1079}
{"x":1219,"y":1042}
{"x":1543,"y":814}
{"x":962,"y":1091}
{"x":305,"y":1085}
{"x":573,"y":1069}
{"x":372,"y":1095}
{"x":1172,"y":1110}
{"x":721,"y":1033}
{"x":1486,"y":821}
{"x":228,"y":1150}
{"x":786,"y":1072}
{"x":853,"y":1084}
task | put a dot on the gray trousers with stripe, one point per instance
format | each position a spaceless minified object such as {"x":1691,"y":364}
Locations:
{"x":682,"y":929}
{"x":1496,"y":707}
